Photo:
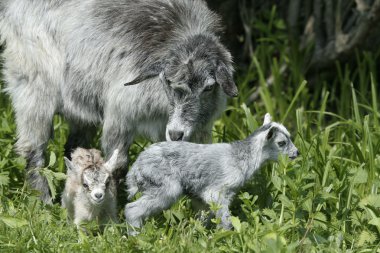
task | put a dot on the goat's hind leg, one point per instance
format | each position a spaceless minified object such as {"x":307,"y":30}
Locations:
{"x":151,"y":203}
{"x":34,"y":103}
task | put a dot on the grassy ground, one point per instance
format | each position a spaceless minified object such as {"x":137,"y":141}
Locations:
{"x":325,"y":201}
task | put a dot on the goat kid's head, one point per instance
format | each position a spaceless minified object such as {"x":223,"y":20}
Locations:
{"x":196,"y":76}
{"x":95,"y":180}
{"x":277,"y":140}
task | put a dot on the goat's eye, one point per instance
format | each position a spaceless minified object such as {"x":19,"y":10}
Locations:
{"x":179,"y":93}
{"x":281,"y":143}
{"x":85,"y":185}
{"x":209,"y":88}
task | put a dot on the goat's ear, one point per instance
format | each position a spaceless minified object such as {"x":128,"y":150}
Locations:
{"x":267,"y":119}
{"x":147,"y":73}
{"x":271,"y":133}
{"x":111,"y":163}
{"x":70,"y":165}
{"x":224,"y":78}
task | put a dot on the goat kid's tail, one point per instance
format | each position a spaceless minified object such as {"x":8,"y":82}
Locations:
{"x":132,"y":187}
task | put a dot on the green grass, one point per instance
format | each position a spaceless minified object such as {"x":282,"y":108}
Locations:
{"x":325,"y":201}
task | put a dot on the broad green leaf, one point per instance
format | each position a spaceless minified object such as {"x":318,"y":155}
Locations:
{"x":277,"y":182}
{"x":4,"y":178}
{"x":236,"y":223}
{"x":375,"y":222}
{"x":52,"y":160}
{"x":361,"y":177}
{"x":223,"y":234}
{"x":366,"y":237}
{"x":286,"y":202}
{"x":270,"y":213}
{"x":372,"y":200}
{"x":13,"y":222}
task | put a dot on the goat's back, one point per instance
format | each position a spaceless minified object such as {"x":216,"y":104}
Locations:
{"x":87,"y":47}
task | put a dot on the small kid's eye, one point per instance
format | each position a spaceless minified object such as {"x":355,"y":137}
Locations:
{"x":85,"y":186}
{"x":282,"y":143}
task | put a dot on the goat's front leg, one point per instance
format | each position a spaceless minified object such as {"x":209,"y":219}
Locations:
{"x":116,"y":136}
{"x":34,"y":101}
{"x":213,"y":196}
{"x":202,"y":211}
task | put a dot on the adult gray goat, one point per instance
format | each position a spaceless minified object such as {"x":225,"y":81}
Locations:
{"x":73,"y":57}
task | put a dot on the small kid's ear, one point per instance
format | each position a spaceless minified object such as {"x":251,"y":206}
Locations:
{"x":70,"y":165}
{"x":271,"y":133}
{"x":267,"y":119}
{"x":111,"y":163}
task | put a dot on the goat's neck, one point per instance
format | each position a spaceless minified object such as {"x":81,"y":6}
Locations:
{"x":249,"y":156}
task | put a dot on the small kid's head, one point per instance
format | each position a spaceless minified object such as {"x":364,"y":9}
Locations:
{"x":277,"y":140}
{"x":95,"y":179}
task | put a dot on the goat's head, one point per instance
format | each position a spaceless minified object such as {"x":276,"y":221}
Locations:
{"x":276,"y":140}
{"x":196,"y":75}
{"x":95,"y":180}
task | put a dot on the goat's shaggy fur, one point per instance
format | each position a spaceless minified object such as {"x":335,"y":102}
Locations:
{"x":73,"y":57}
{"x":209,"y":172}
{"x":90,"y":190}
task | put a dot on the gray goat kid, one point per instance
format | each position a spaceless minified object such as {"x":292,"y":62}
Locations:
{"x":73,"y":57}
{"x":90,"y":190}
{"x":211,"y":173}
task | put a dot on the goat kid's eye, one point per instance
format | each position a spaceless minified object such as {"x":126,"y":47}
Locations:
{"x":281,"y":143}
{"x":85,"y":186}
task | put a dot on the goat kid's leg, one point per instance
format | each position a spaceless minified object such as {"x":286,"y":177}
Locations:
{"x":34,"y":103}
{"x":223,"y":212}
{"x":202,"y":211}
{"x":150,"y":203}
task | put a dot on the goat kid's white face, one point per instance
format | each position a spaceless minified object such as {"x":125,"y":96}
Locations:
{"x":95,"y":181}
{"x":278,"y":141}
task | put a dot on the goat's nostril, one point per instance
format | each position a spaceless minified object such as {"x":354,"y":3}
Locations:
{"x":98,"y":195}
{"x":176,"y":135}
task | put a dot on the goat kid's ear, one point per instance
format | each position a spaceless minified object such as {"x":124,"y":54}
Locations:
{"x":111,"y":163}
{"x":224,"y":78}
{"x":267,"y":119}
{"x":70,"y":165}
{"x":271,"y":133}
{"x":148,"y":73}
